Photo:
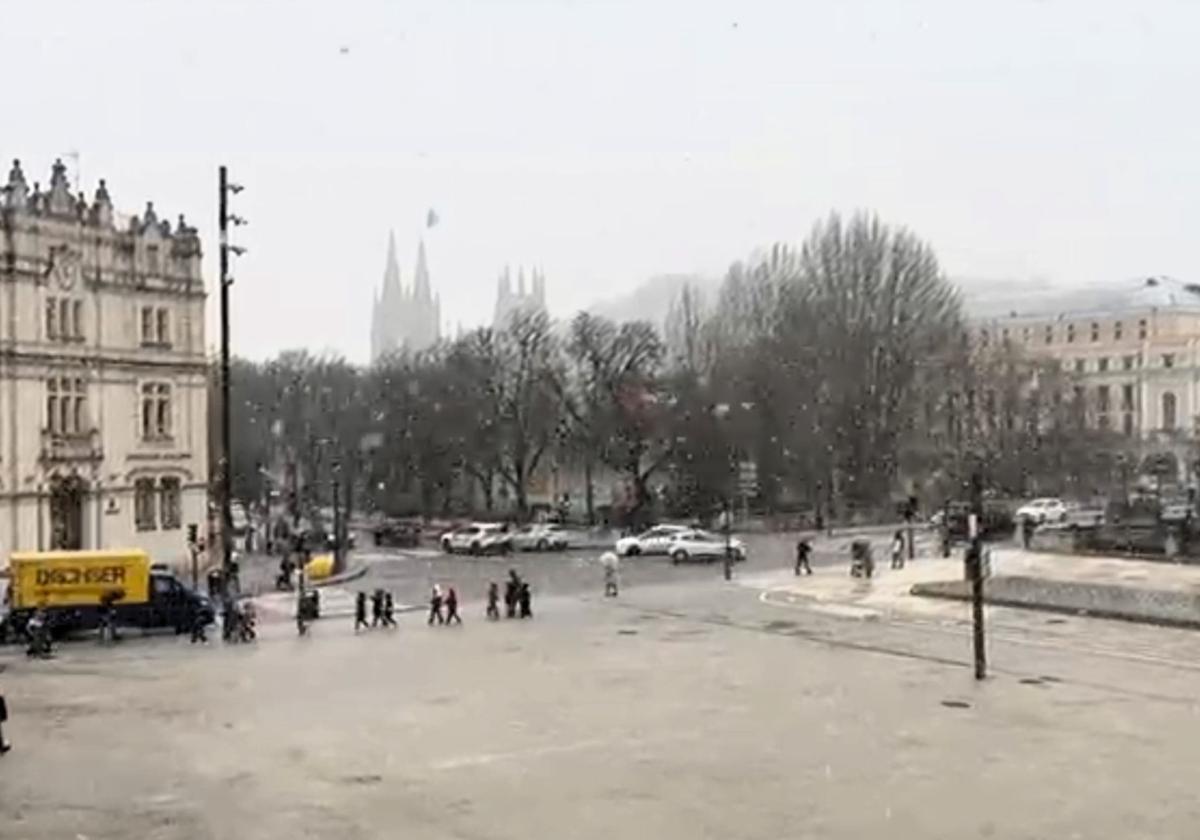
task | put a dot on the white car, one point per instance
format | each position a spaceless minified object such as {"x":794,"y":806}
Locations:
{"x":478,"y":538}
{"x":541,"y":537}
{"x":656,"y":540}
{"x":703,"y":545}
{"x":1041,"y":511}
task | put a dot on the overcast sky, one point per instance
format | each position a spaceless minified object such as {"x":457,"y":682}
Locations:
{"x":611,"y":141}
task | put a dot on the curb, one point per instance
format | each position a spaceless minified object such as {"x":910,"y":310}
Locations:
{"x":956,"y":591}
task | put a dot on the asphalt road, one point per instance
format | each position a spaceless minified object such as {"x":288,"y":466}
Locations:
{"x":410,"y":575}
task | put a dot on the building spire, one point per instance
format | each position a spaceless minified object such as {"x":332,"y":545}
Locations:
{"x":421,"y":289}
{"x":391,"y":272}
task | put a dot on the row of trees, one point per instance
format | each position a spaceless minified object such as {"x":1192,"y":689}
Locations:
{"x":843,"y":370}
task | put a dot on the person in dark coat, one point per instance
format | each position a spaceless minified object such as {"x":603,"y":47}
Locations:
{"x":512,"y":593}
{"x":4,"y":745}
{"x":360,"y":611}
{"x":526,"y":599}
{"x":493,"y":600}
{"x":452,"y":606}
{"x":803,"y":550}
{"x":377,"y":608}
{"x":435,"y":605}
{"x":389,"y":610}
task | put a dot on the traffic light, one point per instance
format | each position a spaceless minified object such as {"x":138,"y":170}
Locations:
{"x":193,"y":534}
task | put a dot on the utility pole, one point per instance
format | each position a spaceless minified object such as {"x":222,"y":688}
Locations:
{"x":975,"y":573}
{"x":224,"y":219}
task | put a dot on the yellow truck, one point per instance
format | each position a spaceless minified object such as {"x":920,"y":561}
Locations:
{"x":70,"y":586}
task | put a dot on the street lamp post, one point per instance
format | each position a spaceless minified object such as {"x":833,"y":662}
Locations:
{"x":224,"y":219}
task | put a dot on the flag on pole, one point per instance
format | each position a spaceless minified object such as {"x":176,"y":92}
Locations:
{"x":431,"y":218}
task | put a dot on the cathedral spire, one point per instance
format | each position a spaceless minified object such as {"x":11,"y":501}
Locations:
{"x":421,"y":290}
{"x":391,"y":273}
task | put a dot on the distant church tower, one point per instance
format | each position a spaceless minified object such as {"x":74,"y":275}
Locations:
{"x":509,"y":300}
{"x":404,"y":319}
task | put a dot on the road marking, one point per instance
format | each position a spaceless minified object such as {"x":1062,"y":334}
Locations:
{"x":482,"y":759}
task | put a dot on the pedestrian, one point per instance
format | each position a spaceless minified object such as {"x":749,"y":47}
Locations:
{"x":898,"y":550}
{"x":5,"y":746}
{"x":38,"y":629}
{"x":512,"y":593}
{"x":611,"y":562}
{"x":526,"y":599}
{"x":199,"y":628}
{"x":360,"y":612}
{"x":1027,"y":527}
{"x":803,"y":550}
{"x":493,"y":600}
{"x":389,"y":610}
{"x":452,"y":606}
{"x":435,"y":605}
{"x":377,"y":608}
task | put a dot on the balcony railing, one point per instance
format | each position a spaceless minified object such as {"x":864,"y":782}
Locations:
{"x":58,"y":447}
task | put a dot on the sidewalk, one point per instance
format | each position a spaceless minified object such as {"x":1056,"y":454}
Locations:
{"x":1150,"y":592}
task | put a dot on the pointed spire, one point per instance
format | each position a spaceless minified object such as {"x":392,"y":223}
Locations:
{"x":421,"y":290}
{"x":391,"y":272}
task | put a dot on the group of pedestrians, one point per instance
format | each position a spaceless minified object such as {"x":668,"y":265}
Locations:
{"x":383,"y":610}
{"x":447,"y":599}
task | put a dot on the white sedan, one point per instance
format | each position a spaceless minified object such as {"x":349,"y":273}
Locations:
{"x":1041,"y":511}
{"x":541,"y":537}
{"x":657,"y":540}
{"x":703,"y":545}
{"x":478,"y":538}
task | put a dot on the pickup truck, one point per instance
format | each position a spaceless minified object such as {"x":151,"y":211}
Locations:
{"x":71,"y":584}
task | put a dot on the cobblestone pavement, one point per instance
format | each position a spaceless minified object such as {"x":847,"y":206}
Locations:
{"x":687,"y":710}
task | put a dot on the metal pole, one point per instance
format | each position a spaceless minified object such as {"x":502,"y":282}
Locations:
{"x":975,"y":567}
{"x":728,"y":547}
{"x":335,"y":480}
{"x":226,"y":413}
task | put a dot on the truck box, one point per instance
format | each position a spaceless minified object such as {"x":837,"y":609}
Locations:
{"x":78,"y":578}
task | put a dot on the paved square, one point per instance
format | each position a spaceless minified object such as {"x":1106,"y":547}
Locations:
{"x":679,"y":712}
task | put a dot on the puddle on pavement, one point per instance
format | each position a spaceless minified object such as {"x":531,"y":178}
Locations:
{"x":779,"y":625}
{"x":627,"y":632}
{"x":956,"y":704}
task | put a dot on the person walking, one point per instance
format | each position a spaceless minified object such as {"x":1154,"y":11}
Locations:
{"x":493,"y":601}
{"x":5,"y":746}
{"x":512,"y":593}
{"x":452,"y":606}
{"x":526,"y":600}
{"x":199,"y":628}
{"x":360,"y":612}
{"x":1027,"y":526}
{"x":435,"y":605}
{"x":898,"y":550}
{"x":611,"y":562}
{"x":389,"y":610}
{"x":803,"y":550}
{"x":377,"y":608}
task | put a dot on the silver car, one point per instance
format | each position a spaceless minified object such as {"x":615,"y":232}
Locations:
{"x":541,"y":537}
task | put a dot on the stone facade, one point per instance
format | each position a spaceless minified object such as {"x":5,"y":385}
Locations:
{"x":404,"y":318}
{"x":1136,"y":358}
{"x":510,"y":300}
{"x":103,"y":420}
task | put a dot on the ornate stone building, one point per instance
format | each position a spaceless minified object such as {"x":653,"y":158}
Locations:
{"x":103,"y":418}
{"x":510,"y":300}
{"x":404,"y":318}
{"x":1133,"y":351}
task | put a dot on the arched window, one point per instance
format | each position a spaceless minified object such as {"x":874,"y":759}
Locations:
{"x":1168,"y":411}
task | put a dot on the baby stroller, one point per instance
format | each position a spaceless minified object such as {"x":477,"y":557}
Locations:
{"x":862,"y":563}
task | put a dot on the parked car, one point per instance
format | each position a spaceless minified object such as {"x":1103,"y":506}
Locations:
{"x":478,"y":538}
{"x":1042,"y":511}
{"x":541,"y":537}
{"x":703,"y":545}
{"x":656,"y":540}
{"x":397,"y":534}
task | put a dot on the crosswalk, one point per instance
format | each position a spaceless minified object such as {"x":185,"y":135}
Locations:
{"x":336,"y":601}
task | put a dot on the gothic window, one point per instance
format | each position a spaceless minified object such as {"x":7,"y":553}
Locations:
{"x":169,"y":503}
{"x":66,"y":405}
{"x":147,"y":324}
{"x":144,"y":504}
{"x":156,"y":411}
{"x":162,"y":327}
{"x":1117,"y":331}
